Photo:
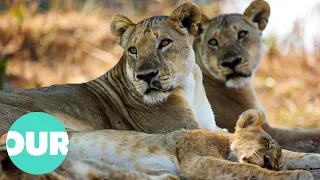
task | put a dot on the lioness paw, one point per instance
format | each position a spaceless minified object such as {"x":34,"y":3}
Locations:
{"x":302,"y":175}
{"x":294,"y":160}
{"x":168,"y":177}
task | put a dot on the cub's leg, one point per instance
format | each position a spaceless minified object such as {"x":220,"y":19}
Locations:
{"x":207,"y":167}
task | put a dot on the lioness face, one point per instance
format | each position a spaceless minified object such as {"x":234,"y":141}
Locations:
{"x":231,"y":44}
{"x":159,"y":58}
{"x":253,"y":145}
{"x":158,"y":50}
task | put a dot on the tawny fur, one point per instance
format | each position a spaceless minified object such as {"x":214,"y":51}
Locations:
{"x":230,"y":97}
{"x":195,"y":154}
{"x":118,"y":99}
{"x":75,"y":169}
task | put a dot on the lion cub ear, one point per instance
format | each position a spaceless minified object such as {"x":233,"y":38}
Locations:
{"x":250,"y":119}
{"x":186,"y":17}
{"x":258,"y":12}
{"x":119,"y":26}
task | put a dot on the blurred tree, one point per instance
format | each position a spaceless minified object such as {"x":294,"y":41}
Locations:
{"x":4,"y":4}
{"x":3,"y":65}
{"x":273,"y":52}
{"x":54,"y":4}
{"x":317,"y":49}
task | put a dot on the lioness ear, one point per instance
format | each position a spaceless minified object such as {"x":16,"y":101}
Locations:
{"x":186,"y":16}
{"x":258,"y":12}
{"x":204,"y":19}
{"x":250,"y":118}
{"x":119,"y":25}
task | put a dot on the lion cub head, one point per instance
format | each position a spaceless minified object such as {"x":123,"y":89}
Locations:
{"x":229,"y":46}
{"x":158,"y":50}
{"x":251,"y":144}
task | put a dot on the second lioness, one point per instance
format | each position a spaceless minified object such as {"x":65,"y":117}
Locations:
{"x":228,"y":51}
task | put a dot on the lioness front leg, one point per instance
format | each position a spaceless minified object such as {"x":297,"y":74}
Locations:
{"x":296,"y":160}
{"x":300,"y":140}
{"x":206,"y":167}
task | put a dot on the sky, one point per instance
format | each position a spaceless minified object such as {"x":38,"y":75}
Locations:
{"x":284,"y":14}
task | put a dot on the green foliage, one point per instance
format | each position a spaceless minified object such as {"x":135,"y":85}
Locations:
{"x":17,"y":12}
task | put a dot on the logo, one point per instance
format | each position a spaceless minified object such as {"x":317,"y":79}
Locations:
{"x":37,"y":143}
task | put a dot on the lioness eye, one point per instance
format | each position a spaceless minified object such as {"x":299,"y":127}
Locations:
{"x":242,"y":34}
{"x":164,"y":43}
{"x":213,"y":42}
{"x":132,"y":50}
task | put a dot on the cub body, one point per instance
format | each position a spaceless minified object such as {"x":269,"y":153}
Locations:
{"x":195,"y":154}
{"x":249,"y":153}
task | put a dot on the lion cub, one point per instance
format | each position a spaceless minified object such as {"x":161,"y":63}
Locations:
{"x":195,"y":154}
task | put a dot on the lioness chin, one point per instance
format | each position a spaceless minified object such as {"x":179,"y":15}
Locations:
{"x":195,"y":154}
{"x":228,"y":51}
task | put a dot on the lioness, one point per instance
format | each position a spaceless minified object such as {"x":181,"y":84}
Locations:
{"x":152,"y":88}
{"x":155,"y":88}
{"x":228,"y":51}
{"x":195,"y":154}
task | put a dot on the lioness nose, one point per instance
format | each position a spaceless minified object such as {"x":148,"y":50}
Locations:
{"x":233,"y":63}
{"x":147,"y":75}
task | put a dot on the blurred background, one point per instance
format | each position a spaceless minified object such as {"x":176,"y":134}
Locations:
{"x":47,"y":42}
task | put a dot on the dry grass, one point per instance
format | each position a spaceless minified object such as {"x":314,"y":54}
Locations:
{"x":73,"y":47}
{"x":49,"y":48}
{"x":288,"y":88}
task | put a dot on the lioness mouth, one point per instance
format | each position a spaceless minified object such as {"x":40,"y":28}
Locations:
{"x":237,"y":75}
{"x":151,"y":90}
{"x":155,"y":86}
